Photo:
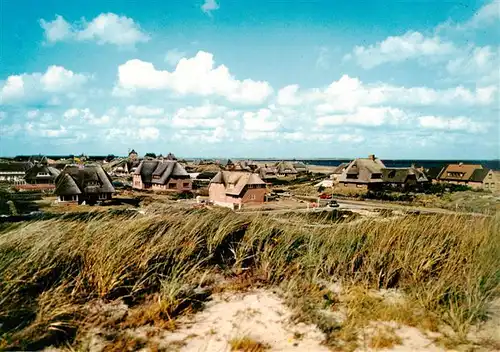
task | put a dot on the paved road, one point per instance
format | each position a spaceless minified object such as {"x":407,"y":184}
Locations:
{"x":367,"y":205}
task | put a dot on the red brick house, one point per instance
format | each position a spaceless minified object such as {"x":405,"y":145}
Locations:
{"x":162,"y":175}
{"x":232,"y":189}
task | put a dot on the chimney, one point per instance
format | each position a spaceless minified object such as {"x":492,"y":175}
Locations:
{"x":371,"y":156}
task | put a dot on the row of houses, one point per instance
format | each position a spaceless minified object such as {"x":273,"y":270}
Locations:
{"x":371,"y":173}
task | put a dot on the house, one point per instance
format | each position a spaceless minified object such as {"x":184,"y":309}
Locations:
{"x":14,"y":172}
{"x":41,"y":174}
{"x":337,"y":172}
{"x":300,"y":167}
{"x":83,"y":183}
{"x":233,"y":189}
{"x":475,"y":176}
{"x":404,"y":178}
{"x":285,"y":169}
{"x":162,"y":175}
{"x":132,"y":155}
{"x":267,"y":173}
{"x":170,"y":156}
{"x":364,"y":173}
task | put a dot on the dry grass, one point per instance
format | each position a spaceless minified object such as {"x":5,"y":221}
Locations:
{"x":247,"y":344}
{"x":384,"y":337}
{"x":448,"y":266}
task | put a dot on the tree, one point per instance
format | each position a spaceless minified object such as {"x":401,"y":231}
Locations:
{"x":110,"y":157}
{"x":150,"y":155}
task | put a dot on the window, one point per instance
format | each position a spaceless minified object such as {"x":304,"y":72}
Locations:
{"x":376,"y":176}
{"x":252,"y":197}
{"x":156,"y":176}
{"x":392,"y":174}
{"x":93,"y":183}
{"x":103,"y":196}
{"x":185,"y":185}
{"x":490,"y":176}
{"x":352,"y":176}
{"x":43,"y":174}
{"x":171,"y":185}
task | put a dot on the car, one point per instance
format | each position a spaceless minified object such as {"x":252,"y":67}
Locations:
{"x":325,"y":196}
{"x":333,"y":204}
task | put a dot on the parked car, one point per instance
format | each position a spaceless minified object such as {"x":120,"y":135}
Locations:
{"x":325,"y":196}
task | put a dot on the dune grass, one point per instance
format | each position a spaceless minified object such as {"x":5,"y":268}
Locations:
{"x":449,"y":267}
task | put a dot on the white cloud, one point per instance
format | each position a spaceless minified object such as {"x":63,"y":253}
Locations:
{"x":410,"y":45}
{"x":480,"y":64}
{"x":260,"y":121}
{"x":365,"y":116}
{"x":56,"y":30}
{"x":209,"y":6}
{"x":348,"y":93}
{"x":205,"y":116}
{"x":71,"y":113}
{"x":323,"y":59}
{"x":147,"y":133}
{"x":173,"y":56}
{"x":56,"y":79}
{"x":196,"y":75}
{"x":12,"y":89}
{"x":351,"y":138}
{"x":487,"y":15}
{"x":107,"y":28}
{"x":144,"y":110}
{"x":451,"y":124}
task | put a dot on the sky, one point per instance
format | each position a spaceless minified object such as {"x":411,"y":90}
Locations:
{"x":405,"y":79}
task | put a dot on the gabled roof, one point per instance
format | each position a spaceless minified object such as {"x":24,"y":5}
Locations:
{"x":402,"y":174}
{"x":466,"y":170}
{"x":284,"y":167}
{"x":361,"y":170}
{"x":267,"y":172}
{"x":235,"y":181}
{"x":479,"y":174}
{"x":338,"y":170}
{"x":160,"y":171}
{"x":33,"y":173}
{"x":83,"y":179}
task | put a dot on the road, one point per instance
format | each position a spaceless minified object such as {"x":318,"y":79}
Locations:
{"x":354,"y":205}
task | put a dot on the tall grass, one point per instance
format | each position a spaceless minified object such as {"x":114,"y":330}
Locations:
{"x":50,"y":270}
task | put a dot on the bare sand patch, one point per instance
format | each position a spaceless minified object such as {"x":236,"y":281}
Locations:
{"x":258,"y":315}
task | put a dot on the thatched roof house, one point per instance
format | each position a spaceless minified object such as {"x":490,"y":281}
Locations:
{"x":79,"y":183}
{"x":285,"y":169}
{"x":362,"y":173}
{"x":161,"y":175}
{"x":404,"y":177}
{"x":41,"y":173}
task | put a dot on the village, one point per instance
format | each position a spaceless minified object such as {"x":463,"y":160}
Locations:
{"x":241,"y":185}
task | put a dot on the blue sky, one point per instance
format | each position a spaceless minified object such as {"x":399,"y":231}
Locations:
{"x":207,"y":78}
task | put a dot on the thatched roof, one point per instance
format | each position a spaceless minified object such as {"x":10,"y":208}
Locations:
{"x":267,"y":172}
{"x":235,"y":181}
{"x":86,"y":178}
{"x":286,"y":168}
{"x":363,"y":170}
{"x":48,"y":172}
{"x":403,"y":174}
{"x":160,"y":171}
{"x":338,"y":170}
